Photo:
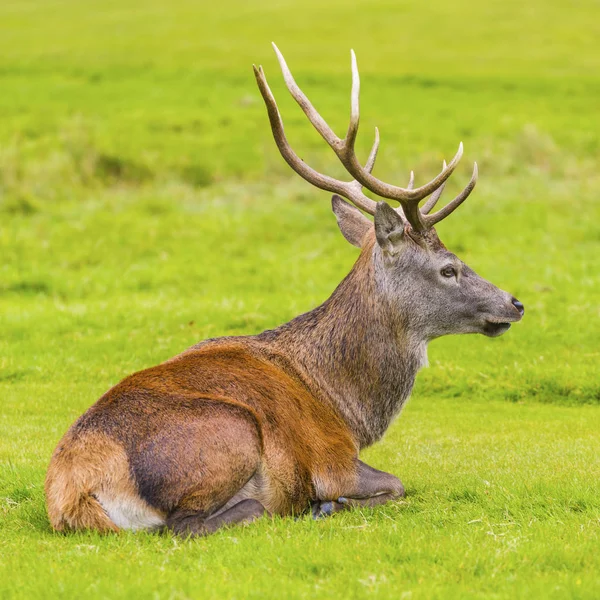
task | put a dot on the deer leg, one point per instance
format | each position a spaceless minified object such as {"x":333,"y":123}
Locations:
{"x":371,"y":488}
{"x":196,"y":524}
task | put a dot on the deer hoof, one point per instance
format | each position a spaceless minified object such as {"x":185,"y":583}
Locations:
{"x":326,"y":509}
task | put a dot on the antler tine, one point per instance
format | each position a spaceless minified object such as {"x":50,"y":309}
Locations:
{"x":354,"y":105}
{"x":432,"y":200}
{"x":351,"y":190}
{"x":431,"y":220}
{"x":310,"y":111}
{"x":345,"y":148}
{"x":373,"y":154}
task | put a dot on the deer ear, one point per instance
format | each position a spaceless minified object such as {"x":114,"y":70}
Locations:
{"x":389,"y":228}
{"x":352,"y":223}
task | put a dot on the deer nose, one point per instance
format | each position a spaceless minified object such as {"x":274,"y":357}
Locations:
{"x":519,"y":306}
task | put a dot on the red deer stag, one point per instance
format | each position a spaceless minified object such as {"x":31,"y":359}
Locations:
{"x":239,"y":427}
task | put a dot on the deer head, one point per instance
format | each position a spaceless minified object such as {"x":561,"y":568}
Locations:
{"x":430,"y":289}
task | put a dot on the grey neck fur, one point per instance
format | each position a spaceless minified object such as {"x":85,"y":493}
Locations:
{"x":355,"y":352}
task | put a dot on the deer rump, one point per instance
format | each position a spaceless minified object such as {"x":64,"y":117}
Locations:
{"x":155,"y":449}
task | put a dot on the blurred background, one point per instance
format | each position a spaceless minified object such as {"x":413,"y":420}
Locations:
{"x":140,"y":188}
{"x":144,"y":207}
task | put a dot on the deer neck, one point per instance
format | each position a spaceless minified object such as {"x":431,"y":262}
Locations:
{"x":355,"y":353}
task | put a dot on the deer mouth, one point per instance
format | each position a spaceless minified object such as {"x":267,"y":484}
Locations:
{"x":494,"y":329}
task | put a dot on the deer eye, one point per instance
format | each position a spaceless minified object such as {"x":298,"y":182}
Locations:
{"x":448,"y":271}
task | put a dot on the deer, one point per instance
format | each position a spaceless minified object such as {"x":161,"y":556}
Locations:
{"x":238,"y":428}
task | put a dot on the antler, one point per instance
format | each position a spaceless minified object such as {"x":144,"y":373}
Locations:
{"x":409,"y":197}
{"x":349,"y":189}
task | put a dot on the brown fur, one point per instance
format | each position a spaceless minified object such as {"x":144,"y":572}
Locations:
{"x":275,"y":438}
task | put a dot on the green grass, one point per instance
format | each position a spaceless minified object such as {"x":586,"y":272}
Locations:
{"x":143,"y":207}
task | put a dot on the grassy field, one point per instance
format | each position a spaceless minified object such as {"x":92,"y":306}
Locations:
{"x":144,"y":207}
